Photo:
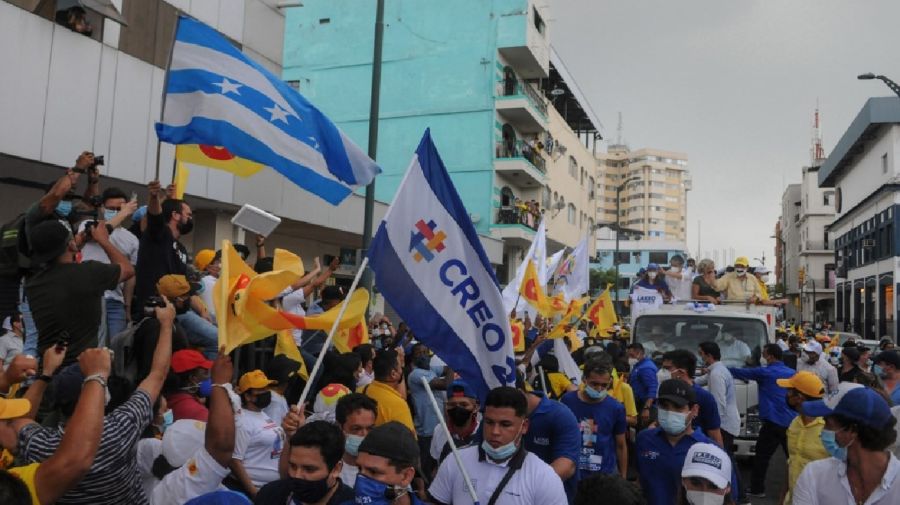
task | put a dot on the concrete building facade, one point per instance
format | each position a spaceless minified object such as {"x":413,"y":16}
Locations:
{"x":863,"y":172}
{"x":508,"y":122}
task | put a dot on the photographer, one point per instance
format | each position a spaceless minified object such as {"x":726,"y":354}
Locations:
{"x":65,"y":296}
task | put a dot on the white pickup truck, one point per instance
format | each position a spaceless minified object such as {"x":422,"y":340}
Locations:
{"x":685,"y":326}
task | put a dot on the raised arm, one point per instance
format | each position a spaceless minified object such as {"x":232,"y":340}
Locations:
{"x":53,"y":359}
{"x":220,"y":426}
{"x":101,"y":236}
{"x":75,"y":455}
{"x":65,"y":183}
{"x":162,"y":355}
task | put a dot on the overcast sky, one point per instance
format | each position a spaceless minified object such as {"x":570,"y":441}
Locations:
{"x":734,"y":85}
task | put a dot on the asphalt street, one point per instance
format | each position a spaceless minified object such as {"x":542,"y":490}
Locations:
{"x":775,"y":478}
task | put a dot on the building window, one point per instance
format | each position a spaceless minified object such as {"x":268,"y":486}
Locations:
{"x":828,"y":198}
{"x":571,"y":216}
{"x":884,"y":163}
{"x":659,"y":257}
{"x":538,"y":21}
{"x":573,"y":168}
{"x":545,"y":197}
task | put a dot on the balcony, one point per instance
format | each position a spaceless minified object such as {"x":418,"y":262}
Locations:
{"x":522,"y":105}
{"x":520,"y":163}
{"x":521,"y":39}
{"x":816,"y":246}
{"x":516,"y":224}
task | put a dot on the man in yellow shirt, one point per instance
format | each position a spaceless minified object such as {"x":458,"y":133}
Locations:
{"x":622,"y":391}
{"x":803,"y":442}
{"x":739,"y":285}
{"x":386,"y":388}
{"x":762,"y":277}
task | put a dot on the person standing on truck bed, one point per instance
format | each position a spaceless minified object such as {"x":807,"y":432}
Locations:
{"x":739,"y":285}
{"x":774,"y":411}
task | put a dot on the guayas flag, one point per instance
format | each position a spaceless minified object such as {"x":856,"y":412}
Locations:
{"x":602,"y":314}
{"x":518,"y":335}
{"x":571,"y":317}
{"x":533,"y":293}
{"x":353,"y":324}
{"x":216,"y":157}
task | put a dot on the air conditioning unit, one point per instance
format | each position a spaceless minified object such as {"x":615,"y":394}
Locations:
{"x":868,"y":243}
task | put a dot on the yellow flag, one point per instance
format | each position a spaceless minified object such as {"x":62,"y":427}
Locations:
{"x":602,"y":314}
{"x":572,"y":315}
{"x":518,"y":335}
{"x":354,"y":330}
{"x":218,"y":158}
{"x":181,"y":179}
{"x":284,"y":344}
{"x":533,"y":293}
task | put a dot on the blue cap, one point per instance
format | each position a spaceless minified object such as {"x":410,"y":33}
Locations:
{"x":861,"y":404}
{"x":652,"y":266}
{"x":642,"y":271}
{"x":460,"y":388}
{"x":139,"y":213}
{"x":221,"y":497}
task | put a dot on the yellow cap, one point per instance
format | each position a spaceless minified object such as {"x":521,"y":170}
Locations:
{"x":807,"y":383}
{"x":11,"y":409}
{"x":173,"y":286}
{"x":203,"y":258}
{"x":742,"y":260}
{"x":254,"y":379}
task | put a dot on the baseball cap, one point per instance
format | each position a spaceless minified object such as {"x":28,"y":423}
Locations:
{"x":889,"y":357}
{"x":11,"y":409}
{"x":460,"y":389}
{"x":806,"y":382}
{"x":762,"y":269}
{"x":332,"y":293}
{"x":831,"y":400}
{"x":66,"y":385}
{"x":203,"y":258}
{"x":862,"y":405}
{"x":393,"y":441}
{"x":182,"y":440}
{"x":851,"y":352}
{"x":189,"y":359}
{"x":652,"y":266}
{"x":173,"y":286}
{"x":281,"y":368}
{"x":220,"y":497}
{"x":677,"y":391}
{"x":709,"y":462}
{"x":742,"y":261}
{"x":48,"y":241}
{"x":254,"y":379}
{"x":813,"y":346}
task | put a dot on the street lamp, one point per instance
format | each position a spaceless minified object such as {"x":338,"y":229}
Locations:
{"x":619,"y":190}
{"x":891,"y":84}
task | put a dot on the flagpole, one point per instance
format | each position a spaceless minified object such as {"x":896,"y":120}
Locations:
{"x":334,"y":327}
{"x":440,"y":415}
{"x":162,"y":105}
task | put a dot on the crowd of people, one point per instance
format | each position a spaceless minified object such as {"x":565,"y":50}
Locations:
{"x":114,"y":391}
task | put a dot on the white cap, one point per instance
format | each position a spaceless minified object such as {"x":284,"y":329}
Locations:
{"x":710,"y":462}
{"x":762,"y":269}
{"x":182,"y":440}
{"x":831,"y":400}
{"x":813,"y":346}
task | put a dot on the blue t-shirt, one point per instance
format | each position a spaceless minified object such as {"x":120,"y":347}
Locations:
{"x":598,"y":424}
{"x":708,"y":418}
{"x":425,"y":419}
{"x":553,"y":433}
{"x":659,"y":464}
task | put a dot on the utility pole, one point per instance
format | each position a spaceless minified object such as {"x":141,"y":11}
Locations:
{"x":369,"y":206}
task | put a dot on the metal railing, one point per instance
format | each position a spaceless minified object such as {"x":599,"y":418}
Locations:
{"x":521,"y":149}
{"x":817,"y":245}
{"x":518,"y":214}
{"x":515,"y":87}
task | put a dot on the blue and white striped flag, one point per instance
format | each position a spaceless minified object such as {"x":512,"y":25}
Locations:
{"x":430,"y":266}
{"x":217,"y":96}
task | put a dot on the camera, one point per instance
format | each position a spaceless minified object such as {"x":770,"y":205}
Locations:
{"x":99,"y":160}
{"x":151,"y":304}
{"x":89,"y":226}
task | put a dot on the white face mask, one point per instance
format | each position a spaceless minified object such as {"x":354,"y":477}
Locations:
{"x":632,"y":362}
{"x":740,"y":271}
{"x":651,"y":275}
{"x":663,"y":375}
{"x":704,"y":498}
{"x":763,"y":362}
{"x":764,"y":278}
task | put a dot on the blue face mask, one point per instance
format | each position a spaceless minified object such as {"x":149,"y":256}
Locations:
{"x":168,"y":419}
{"x":593,"y":394}
{"x":672,"y":423}
{"x":370,"y":491}
{"x":109,"y":214}
{"x":877,"y":370}
{"x":351,"y":444}
{"x":64,"y":208}
{"x":503,"y":452}
{"x":832,"y":446}
{"x":204,"y":389}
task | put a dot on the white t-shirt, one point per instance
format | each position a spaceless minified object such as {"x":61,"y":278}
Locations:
{"x":825,"y":481}
{"x":291,"y":302}
{"x":126,"y":243}
{"x":208,"y":284}
{"x":439,"y":439}
{"x":348,"y":474}
{"x":535,"y":483}
{"x":277,"y":409}
{"x":258,"y":442}
{"x":200,"y":475}
{"x":681,"y":288}
{"x":148,"y":449}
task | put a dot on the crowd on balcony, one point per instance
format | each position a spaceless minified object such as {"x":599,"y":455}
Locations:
{"x":526,"y":212}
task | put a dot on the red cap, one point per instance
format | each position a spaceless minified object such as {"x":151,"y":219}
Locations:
{"x":189,"y":359}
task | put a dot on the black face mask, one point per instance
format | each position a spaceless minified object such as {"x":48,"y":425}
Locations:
{"x":459,"y":416}
{"x":263,"y":400}
{"x":185,"y":228}
{"x":308,"y":491}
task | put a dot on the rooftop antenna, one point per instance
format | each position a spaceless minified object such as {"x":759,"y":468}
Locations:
{"x":816,"y":151}
{"x":619,"y":129}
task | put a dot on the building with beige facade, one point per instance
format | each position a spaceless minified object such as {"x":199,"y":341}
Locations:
{"x":654,"y":200}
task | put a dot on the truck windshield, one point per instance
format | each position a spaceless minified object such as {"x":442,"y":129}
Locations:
{"x":740,"y":340}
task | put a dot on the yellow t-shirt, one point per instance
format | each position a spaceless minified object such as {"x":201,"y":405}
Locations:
{"x":763,"y":290}
{"x":391,"y":406}
{"x":622,"y":391}
{"x":804,"y":446}
{"x":26,"y":474}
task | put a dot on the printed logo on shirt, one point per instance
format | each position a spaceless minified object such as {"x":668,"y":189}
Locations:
{"x":650,"y":454}
{"x":192,"y":467}
{"x":541,"y":441}
{"x":707,"y":459}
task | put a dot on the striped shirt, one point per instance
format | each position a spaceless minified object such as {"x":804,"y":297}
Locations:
{"x":113,"y":478}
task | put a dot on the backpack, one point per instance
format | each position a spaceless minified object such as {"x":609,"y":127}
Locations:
{"x":14,"y":251}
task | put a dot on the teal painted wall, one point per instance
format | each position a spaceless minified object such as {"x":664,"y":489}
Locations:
{"x":439,"y":71}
